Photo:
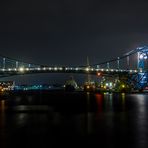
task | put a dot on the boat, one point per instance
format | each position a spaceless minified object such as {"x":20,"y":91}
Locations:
{"x":71,"y":84}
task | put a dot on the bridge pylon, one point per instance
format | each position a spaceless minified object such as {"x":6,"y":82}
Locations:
{"x":140,"y":80}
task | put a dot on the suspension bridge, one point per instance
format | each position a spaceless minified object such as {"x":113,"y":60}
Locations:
{"x":121,"y":66}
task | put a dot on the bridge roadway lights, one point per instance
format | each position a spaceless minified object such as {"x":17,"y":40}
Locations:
{"x":83,"y":70}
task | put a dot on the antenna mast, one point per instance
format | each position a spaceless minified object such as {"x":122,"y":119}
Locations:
{"x":88,"y":75}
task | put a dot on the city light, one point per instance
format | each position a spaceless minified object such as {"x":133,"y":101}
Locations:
{"x":123,"y":86}
{"x":106,"y":84}
{"x":98,"y":74}
{"x":88,"y":86}
{"x":110,"y":84}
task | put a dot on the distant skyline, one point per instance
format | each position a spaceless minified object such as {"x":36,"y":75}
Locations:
{"x":66,"y":32}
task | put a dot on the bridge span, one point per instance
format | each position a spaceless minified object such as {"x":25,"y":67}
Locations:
{"x":80,"y":70}
{"x":135,"y":70}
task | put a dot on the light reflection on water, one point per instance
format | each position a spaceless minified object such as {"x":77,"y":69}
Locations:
{"x":99,"y":100}
{"x":141,"y":119}
{"x":2,"y":123}
{"x":2,"y":113}
{"x":109,"y":102}
{"x":107,"y":117}
{"x":107,"y":107}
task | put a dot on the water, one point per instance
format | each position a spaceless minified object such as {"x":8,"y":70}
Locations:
{"x":74,"y":119}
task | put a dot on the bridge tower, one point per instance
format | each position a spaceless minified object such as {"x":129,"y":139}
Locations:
{"x":142,"y":57}
{"x":142,"y":76}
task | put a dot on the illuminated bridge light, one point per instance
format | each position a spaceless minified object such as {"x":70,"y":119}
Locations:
{"x":141,"y":56}
{"x":21,"y":69}
{"x":87,"y":69}
{"x":44,"y":68}
{"x":49,"y":68}
{"x":76,"y":68}
{"x":102,"y":69}
{"x":27,"y":69}
{"x":38,"y":68}
{"x":112,"y":69}
{"x":139,"y":48}
{"x":9,"y":69}
{"x":135,"y":70}
{"x":55,"y":68}
{"x":60,"y":68}
{"x":107,"y":69}
{"x":92,"y":69}
{"x":31,"y":69}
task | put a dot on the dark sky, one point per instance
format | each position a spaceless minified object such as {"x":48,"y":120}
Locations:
{"x":65,"y":32}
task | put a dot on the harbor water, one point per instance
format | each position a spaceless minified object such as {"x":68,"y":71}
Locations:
{"x":73,"y":119}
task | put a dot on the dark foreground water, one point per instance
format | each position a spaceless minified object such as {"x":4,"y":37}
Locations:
{"x":57,"y":119}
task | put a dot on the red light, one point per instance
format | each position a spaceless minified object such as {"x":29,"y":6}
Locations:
{"x":98,"y":74}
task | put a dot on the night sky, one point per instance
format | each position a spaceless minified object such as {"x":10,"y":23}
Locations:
{"x":66,"y":32}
